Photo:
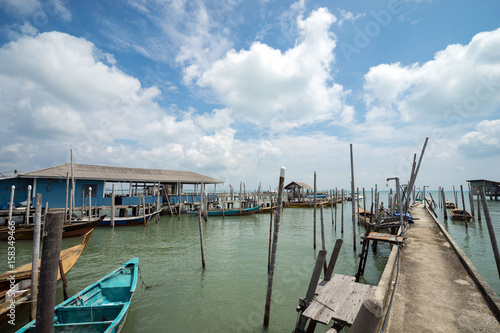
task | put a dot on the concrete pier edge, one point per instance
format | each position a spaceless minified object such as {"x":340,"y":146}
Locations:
{"x":371,"y":315}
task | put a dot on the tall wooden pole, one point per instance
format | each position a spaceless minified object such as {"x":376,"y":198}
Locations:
{"x":277,"y":219}
{"x":463,"y":205}
{"x":36,"y":255}
{"x":66,"y":199}
{"x":491,"y":231}
{"x":112,"y":217}
{"x":444,"y":204}
{"x":200,"y":227}
{"x":342,"y":213}
{"x":11,"y":202}
{"x":353,"y":211}
{"x":48,"y":272}
{"x":323,"y":245}
{"x":28,"y":205}
{"x":314,"y":213}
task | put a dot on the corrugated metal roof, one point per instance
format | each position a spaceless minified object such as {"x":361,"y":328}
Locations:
{"x":86,"y":171}
{"x":300,"y":185}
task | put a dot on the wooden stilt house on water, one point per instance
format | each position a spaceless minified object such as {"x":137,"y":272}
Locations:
{"x":133,"y":186}
{"x":491,"y":188}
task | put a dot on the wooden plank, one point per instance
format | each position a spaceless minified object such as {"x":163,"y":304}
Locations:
{"x":350,"y":305}
{"x":382,"y":237}
{"x":327,"y":285}
{"x":324,"y":306}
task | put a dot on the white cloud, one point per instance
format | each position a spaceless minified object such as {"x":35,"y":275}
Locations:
{"x":291,"y":88}
{"x":21,"y":7}
{"x":346,"y":16}
{"x":461,"y":82}
{"x":483,"y":142}
{"x":39,"y":11}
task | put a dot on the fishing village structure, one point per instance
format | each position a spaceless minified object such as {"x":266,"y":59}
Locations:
{"x":491,"y":188}
{"x":136,"y":186}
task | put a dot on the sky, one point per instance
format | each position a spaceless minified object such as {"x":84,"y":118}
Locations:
{"x":237,"y":89}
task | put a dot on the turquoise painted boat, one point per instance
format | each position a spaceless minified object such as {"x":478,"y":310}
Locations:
{"x":101,"y":307}
{"x":228,"y":212}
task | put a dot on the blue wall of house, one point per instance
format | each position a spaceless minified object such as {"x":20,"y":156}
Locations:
{"x":54,"y":192}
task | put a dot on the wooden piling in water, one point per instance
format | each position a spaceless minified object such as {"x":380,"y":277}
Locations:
{"x":314,"y":212}
{"x":64,"y":281}
{"x":342,"y":213}
{"x":353,"y":202}
{"x":48,"y":272}
{"x":36,"y":255}
{"x":444,"y":204}
{"x":463,"y":206}
{"x":323,"y":244}
{"x":28,"y":205}
{"x":270,"y":239}
{"x":11,"y":202}
{"x":112,"y":213}
{"x":277,"y":219}
{"x":491,"y":231}
{"x":200,"y":227}
{"x":471,"y":201}
{"x":66,"y":199}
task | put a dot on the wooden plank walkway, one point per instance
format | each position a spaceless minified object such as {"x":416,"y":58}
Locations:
{"x":338,"y":299}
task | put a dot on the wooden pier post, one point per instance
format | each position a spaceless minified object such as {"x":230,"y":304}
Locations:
{"x":63,"y":278}
{"x":463,"y":206}
{"x":28,"y":205}
{"x":11,"y":202}
{"x":332,"y":203}
{"x":444,"y":204}
{"x":48,"y":272}
{"x":490,"y":228}
{"x":112,"y":214}
{"x":353,"y":210}
{"x":200,"y":227}
{"x":342,"y":213}
{"x":323,"y":244}
{"x":314,"y":212}
{"x":66,"y":199}
{"x":277,"y":219}
{"x":270,"y":239}
{"x":36,"y":255}
{"x":478,"y":207}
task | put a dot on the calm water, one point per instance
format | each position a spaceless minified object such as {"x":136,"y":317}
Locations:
{"x":229,"y":294}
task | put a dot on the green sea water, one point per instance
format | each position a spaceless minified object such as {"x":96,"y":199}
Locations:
{"x":229,"y":294}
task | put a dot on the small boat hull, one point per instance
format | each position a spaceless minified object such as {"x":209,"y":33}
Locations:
{"x":458,"y":214}
{"x":228,"y":212}
{"x":101,"y":307}
{"x":130,"y":220}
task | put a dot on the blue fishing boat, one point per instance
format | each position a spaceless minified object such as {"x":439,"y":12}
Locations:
{"x":101,"y":307}
{"x":228,"y":212}
{"x":130,"y":220}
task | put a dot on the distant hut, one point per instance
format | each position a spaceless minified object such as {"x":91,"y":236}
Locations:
{"x":298,"y":191}
{"x":491,"y":188}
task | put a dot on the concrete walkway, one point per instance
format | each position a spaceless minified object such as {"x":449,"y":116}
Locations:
{"x":434,"y":292}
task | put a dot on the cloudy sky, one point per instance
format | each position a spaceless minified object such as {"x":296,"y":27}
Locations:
{"x":236,"y":89}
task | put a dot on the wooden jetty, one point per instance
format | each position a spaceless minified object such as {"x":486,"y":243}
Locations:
{"x":433,"y":287}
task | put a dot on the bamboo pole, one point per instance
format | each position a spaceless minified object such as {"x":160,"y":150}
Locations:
{"x":48,"y":272}
{"x":36,"y":255}
{"x":314,"y":213}
{"x":277,"y":219}
{"x":491,"y":231}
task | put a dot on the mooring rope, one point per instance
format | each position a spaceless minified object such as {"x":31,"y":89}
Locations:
{"x":144,"y":283}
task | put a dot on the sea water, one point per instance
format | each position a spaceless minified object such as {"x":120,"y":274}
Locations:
{"x":229,"y":294}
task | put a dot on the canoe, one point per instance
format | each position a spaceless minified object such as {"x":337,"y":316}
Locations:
{"x":129,"y":220}
{"x":73,"y":229}
{"x":450,"y":205}
{"x":101,"y":307}
{"x":458,"y":214}
{"x":228,"y":212}
{"x":23,"y":279}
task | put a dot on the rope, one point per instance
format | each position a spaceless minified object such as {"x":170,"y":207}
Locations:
{"x":144,"y":283}
{"x":393,"y":291}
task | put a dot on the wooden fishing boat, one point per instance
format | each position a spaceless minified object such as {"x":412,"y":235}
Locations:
{"x":23,"y":280}
{"x":73,"y":229}
{"x":266,"y":209}
{"x":228,"y":212}
{"x":101,"y":307}
{"x":450,"y":205}
{"x":305,"y":204}
{"x":364,"y":216}
{"x":130,"y":220}
{"x":458,"y":214}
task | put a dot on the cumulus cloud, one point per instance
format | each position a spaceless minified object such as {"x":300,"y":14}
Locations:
{"x":461,"y":82}
{"x":267,"y":86}
{"x":483,"y":142}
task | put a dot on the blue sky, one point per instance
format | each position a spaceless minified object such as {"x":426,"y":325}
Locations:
{"x":237,"y":89}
